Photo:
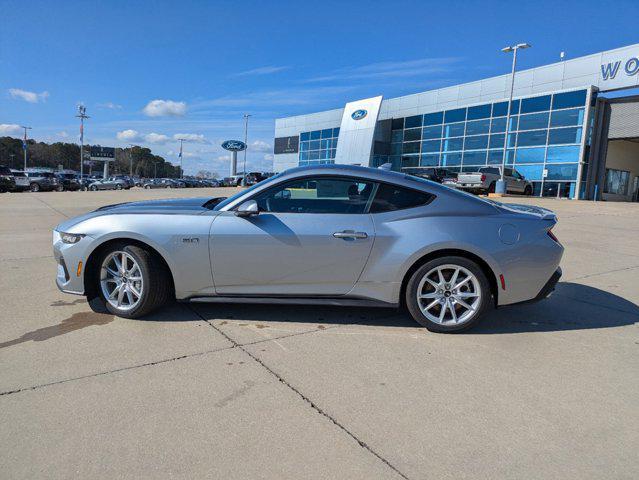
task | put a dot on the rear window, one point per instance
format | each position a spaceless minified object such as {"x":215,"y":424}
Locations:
{"x":392,"y":197}
{"x":489,"y":170}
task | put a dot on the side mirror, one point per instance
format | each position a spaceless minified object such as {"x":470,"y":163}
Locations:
{"x":247,"y":209}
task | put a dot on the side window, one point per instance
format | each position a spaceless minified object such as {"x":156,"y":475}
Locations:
{"x":317,"y":195}
{"x":391,"y":197}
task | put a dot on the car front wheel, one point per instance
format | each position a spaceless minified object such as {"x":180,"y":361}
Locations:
{"x":132,"y":281}
{"x":448,"y":294}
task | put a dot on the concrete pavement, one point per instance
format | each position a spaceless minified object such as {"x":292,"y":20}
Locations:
{"x":253,"y":391}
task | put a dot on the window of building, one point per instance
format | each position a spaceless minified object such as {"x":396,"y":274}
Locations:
{"x":476,"y":143}
{"x":568,"y":154}
{"x":564,"y":135}
{"x":392,"y":197}
{"x":616,"y":181}
{"x":562,"y":171}
{"x":456,"y":115}
{"x":478,"y":127}
{"x":454,"y":130}
{"x":412,"y":122}
{"x":530,"y":155}
{"x":434,"y":131}
{"x":477,"y":157}
{"x":530,"y":139}
{"x":410,"y":147}
{"x":479,"y":111}
{"x":431,"y":146}
{"x":534,"y":121}
{"x":413,"y":134}
{"x":436,"y":118}
{"x":318,"y":146}
{"x":451,"y":144}
{"x":569,"y":99}
{"x":567,"y":118}
{"x":535,"y":104}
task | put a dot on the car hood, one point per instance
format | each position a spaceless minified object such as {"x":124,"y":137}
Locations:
{"x":177,"y":206}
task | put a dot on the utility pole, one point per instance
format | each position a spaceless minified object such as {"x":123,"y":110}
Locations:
{"x":500,"y":186}
{"x":24,"y":146}
{"x":181,"y":169}
{"x":82,"y":114}
{"x":131,"y":159}
{"x":246,"y":117}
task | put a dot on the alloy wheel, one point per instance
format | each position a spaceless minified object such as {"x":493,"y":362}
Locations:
{"x":121,"y":280}
{"x":449,"y":295}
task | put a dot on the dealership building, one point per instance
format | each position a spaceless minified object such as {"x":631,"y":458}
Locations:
{"x":564,"y":134}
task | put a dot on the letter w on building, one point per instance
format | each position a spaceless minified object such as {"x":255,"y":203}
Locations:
{"x":610,"y":70}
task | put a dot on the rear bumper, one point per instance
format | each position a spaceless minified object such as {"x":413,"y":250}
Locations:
{"x":547,"y":289}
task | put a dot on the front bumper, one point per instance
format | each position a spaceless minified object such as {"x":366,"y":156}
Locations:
{"x":70,"y":278}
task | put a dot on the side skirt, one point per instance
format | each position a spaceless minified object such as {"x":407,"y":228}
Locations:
{"x":338,"y":302}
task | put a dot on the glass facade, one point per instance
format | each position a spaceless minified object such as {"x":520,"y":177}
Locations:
{"x":318,"y":147}
{"x":544,"y":139}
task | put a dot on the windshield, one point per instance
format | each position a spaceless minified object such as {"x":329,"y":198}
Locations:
{"x":232,"y":198}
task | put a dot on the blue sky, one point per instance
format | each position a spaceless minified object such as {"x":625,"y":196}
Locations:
{"x":149,"y":72}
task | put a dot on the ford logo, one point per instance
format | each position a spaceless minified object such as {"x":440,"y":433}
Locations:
{"x":234,"y":145}
{"x":358,"y":114}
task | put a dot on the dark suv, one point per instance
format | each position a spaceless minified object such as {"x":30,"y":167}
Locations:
{"x":7,"y":182}
{"x":68,"y":181}
{"x":42,"y":181}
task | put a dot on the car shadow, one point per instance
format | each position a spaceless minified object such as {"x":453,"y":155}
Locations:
{"x":572,"y":307}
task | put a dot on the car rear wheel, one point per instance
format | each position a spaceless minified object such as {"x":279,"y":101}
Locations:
{"x":93,"y":188}
{"x":34,"y":187}
{"x":118,"y":187}
{"x":59,"y":188}
{"x":448,"y":294}
{"x":528,"y":191}
{"x":132,"y":281}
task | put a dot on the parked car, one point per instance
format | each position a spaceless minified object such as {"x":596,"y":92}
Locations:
{"x":110,"y":183}
{"x":68,"y":181}
{"x":21,"y":179}
{"x":7,"y":179}
{"x":331,"y":235}
{"x":40,"y":180}
{"x":435,"y":174}
{"x":485,"y":180}
{"x":126,"y":178}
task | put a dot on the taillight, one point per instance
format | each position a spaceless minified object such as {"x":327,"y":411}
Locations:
{"x":483,"y":177}
{"x":552,"y":235}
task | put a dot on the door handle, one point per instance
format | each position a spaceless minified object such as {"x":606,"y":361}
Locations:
{"x":350,"y":234}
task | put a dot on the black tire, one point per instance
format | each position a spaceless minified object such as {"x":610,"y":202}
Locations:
{"x":485,"y":302}
{"x":93,"y":189}
{"x":158,"y":285}
{"x":491,"y":187}
{"x":148,"y":187}
{"x":59,"y":188}
{"x":34,"y":187}
{"x":118,"y":187}
{"x":528,"y":191}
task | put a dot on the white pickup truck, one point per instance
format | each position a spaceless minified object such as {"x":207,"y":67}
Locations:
{"x":485,"y":179}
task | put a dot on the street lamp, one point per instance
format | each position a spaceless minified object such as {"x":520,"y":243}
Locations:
{"x":82,"y":114}
{"x":500,"y":186}
{"x":131,"y":158}
{"x":246,"y":117}
{"x":24,"y":146}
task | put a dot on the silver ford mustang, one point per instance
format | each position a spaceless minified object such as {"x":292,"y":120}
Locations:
{"x":337,"y":235}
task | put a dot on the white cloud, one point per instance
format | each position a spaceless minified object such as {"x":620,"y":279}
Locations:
{"x":379,"y":70}
{"x":262,"y":70}
{"x":109,"y":105}
{"x":10,"y":129}
{"x":260,"y":146}
{"x":128,"y":135}
{"x":164,"y":108}
{"x":268,"y":157}
{"x":190,"y":137}
{"x":63,"y":134}
{"x":156,"y":138}
{"x":224,"y":158}
{"x":31,"y":97}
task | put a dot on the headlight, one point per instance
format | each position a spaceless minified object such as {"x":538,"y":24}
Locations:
{"x":71,"y":237}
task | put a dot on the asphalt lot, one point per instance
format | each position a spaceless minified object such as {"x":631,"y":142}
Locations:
{"x":549,"y":390}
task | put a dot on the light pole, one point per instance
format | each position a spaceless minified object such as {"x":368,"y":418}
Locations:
{"x":181,"y":170}
{"x":500,"y":186}
{"x":131,"y":159}
{"x":82,"y":114}
{"x":246,"y":117}
{"x":24,"y":146}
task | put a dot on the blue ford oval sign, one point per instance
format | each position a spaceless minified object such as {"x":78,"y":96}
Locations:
{"x":234,"y":145}
{"x":358,"y":114}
